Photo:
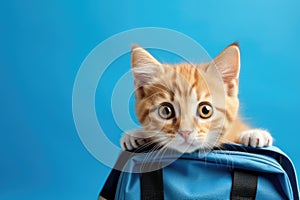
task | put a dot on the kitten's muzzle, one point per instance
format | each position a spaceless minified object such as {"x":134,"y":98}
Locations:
{"x":185,"y":133}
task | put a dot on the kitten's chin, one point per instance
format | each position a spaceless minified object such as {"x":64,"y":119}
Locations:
{"x":189,"y":147}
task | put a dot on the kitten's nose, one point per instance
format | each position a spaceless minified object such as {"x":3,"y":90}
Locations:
{"x":184,"y":133}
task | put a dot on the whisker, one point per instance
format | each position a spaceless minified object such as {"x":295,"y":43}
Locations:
{"x":153,"y":154}
{"x":158,"y":144}
{"x":148,"y":157}
{"x":149,"y":143}
{"x":160,"y":154}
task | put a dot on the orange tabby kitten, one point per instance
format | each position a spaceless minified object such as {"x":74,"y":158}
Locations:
{"x":179,"y":105}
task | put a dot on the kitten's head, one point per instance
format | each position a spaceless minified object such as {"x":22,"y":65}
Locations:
{"x":186,"y":106}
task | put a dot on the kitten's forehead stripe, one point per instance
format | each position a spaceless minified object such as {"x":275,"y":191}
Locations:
{"x":192,"y":88}
{"x":177,"y":89}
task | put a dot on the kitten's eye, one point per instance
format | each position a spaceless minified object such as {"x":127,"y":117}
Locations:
{"x":166,"y":111}
{"x":205,"y":110}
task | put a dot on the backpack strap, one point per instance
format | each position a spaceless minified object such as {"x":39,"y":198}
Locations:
{"x":109,"y":189}
{"x":152,"y":185}
{"x":110,"y":186}
{"x":275,"y":153}
{"x":244,"y":185}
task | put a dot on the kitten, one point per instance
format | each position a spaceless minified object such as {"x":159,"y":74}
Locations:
{"x":180,"y":106}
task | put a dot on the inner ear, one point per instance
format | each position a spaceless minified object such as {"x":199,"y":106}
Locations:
{"x":145,"y":75}
{"x":145,"y":68}
{"x":140,"y":57}
{"x":227,"y":63}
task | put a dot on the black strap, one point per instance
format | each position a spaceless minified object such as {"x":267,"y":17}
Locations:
{"x":110,"y":186}
{"x":109,"y":189}
{"x":244,"y":185}
{"x":152,"y":185}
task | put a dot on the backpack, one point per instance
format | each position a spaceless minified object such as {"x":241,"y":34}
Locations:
{"x":233,"y":172}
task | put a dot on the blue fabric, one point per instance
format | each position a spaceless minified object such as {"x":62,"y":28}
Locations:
{"x":210,"y":177}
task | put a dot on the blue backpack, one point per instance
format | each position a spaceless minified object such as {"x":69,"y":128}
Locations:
{"x":234,"y":172}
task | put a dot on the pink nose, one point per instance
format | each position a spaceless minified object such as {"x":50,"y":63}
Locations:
{"x":184,"y":133}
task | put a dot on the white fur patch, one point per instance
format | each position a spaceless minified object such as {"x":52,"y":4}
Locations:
{"x":256,"y":138}
{"x":131,"y":141}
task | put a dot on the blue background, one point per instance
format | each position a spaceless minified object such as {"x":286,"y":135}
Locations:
{"x":43,"y":43}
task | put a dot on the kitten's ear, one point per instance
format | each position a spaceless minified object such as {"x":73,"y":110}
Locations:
{"x":227,"y":64}
{"x":144,"y":66}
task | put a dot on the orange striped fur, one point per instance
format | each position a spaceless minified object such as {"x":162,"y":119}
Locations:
{"x":181,"y":89}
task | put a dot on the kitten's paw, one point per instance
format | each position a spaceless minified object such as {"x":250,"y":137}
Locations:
{"x":256,"y":138}
{"x":129,"y":142}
